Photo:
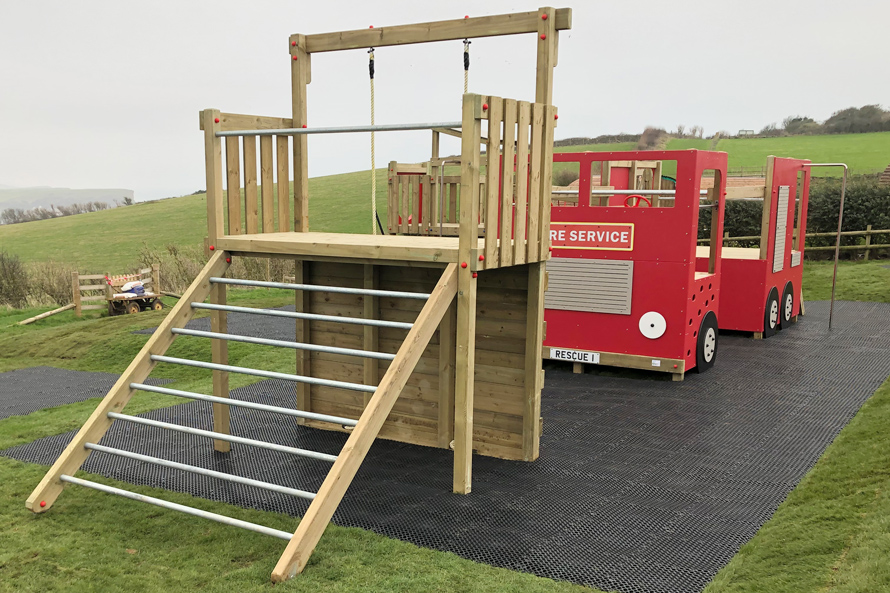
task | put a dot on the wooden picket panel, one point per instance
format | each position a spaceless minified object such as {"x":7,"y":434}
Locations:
{"x":522,"y":156}
{"x":251,"y":207}
{"x":233,"y":184}
{"x":267,"y":172}
{"x":414,"y":185}
{"x":283,"y":158}
{"x":403,"y":203}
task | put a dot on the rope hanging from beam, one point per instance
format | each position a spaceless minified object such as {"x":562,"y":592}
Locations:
{"x":373,"y":164}
{"x":466,"y":65}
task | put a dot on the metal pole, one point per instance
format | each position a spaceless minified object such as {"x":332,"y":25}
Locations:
{"x":202,"y":471}
{"x":224,"y":437}
{"x":341,"y":129}
{"x":268,"y":374}
{"x":837,"y":242}
{"x":624,"y":192}
{"x":245,"y":404}
{"x":321,"y":288}
{"x":178,"y":507}
{"x":310,"y":316}
{"x":283,"y":344}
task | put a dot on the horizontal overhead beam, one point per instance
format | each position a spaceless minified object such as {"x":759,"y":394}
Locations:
{"x":468,"y":28}
{"x":342,"y":129}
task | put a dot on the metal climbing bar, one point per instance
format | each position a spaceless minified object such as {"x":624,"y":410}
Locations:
{"x":322,"y":288}
{"x":202,"y":471}
{"x":260,"y":373}
{"x":283,"y":344}
{"x":224,"y":437}
{"x":178,"y":507}
{"x":309,"y":316}
{"x":342,"y":129}
{"x":244,"y":404}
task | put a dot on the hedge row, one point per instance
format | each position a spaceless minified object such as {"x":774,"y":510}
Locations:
{"x":866,"y":203}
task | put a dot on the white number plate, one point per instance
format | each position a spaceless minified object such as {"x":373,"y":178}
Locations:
{"x":575,"y":355}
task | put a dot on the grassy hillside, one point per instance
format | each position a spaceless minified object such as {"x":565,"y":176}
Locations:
{"x":862,"y":152}
{"x":110,"y":241}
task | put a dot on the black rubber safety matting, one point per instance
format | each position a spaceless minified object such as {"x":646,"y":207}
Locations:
{"x":642,"y":485}
{"x":246,"y":324}
{"x":28,"y":390}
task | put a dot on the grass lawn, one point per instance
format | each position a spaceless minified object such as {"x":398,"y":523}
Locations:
{"x":831,"y":534}
{"x":861,"y":152}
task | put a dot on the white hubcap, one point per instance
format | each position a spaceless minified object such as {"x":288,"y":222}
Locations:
{"x":710,"y":346}
{"x":773,"y":314}
{"x":789,"y":307}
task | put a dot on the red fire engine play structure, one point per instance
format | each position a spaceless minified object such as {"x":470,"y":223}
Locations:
{"x":624,"y":289}
{"x":761,"y":286}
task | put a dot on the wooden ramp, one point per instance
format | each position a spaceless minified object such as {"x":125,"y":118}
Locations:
{"x":345,"y":465}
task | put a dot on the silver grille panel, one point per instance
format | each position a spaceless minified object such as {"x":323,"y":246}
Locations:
{"x":594,"y":286}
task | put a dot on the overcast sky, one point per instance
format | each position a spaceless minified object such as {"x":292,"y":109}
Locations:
{"x":107,"y":94}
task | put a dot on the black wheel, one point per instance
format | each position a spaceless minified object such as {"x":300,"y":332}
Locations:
{"x":706,"y":346}
{"x":771,"y":314}
{"x":133,"y":308}
{"x":157,"y":305}
{"x":786,"y":307}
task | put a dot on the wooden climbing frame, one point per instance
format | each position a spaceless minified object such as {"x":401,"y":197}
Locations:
{"x":427,"y":340}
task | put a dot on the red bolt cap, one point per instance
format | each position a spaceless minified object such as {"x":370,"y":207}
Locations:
{"x":544,"y":17}
{"x":485,"y":107}
{"x":555,"y":116}
{"x":463,"y":264}
{"x":371,"y":27}
{"x":293,"y":44}
{"x":481,"y":258}
{"x":296,"y":58}
{"x":304,"y":125}
{"x":228,"y":260}
{"x":475,"y":274}
{"x":466,"y":16}
{"x":551,"y":248}
{"x":212,"y":248}
{"x":543,"y":36}
{"x":216,"y":120}
{"x":42,"y":503}
{"x":675,"y":366}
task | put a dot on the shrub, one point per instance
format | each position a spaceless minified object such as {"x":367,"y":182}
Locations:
{"x":651,"y":139}
{"x":50,"y":282}
{"x":564,"y":177}
{"x":13,"y":281}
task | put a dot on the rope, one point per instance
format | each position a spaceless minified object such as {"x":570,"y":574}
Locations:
{"x":374,"y":218}
{"x":466,"y":65}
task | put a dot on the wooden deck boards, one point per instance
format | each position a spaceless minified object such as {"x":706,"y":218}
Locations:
{"x":376,"y":247}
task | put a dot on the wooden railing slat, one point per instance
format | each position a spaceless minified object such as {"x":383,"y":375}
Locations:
{"x":493,"y":177}
{"x":519,"y":224}
{"x":267,"y":175}
{"x":233,"y":184}
{"x":546,"y":157}
{"x":403,"y":205}
{"x":507,"y":186}
{"x":251,"y":214}
{"x":427,"y":204}
{"x":415,"y":203}
{"x":536,"y":193}
{"x":283,"y":158}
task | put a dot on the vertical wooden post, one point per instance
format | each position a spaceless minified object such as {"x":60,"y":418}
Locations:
{"x":213,"y":168}
{"x":548,"y":38}
{"x":156,"y":278}
{"x":219,"y":352}
{"x":301,"y":76}
{"x":303,"y":305}
{"x":867,"y":241}
{"x":75,"y":293}
{"x":534,"y":374}
{"x":447,"y":353}
{"x":370,"y":340}
{"x":768,"y":199}
{"x":466,"y":294}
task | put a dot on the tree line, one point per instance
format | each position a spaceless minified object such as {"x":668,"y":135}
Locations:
{"x":852,"y":120}
{"x":17,"y":215}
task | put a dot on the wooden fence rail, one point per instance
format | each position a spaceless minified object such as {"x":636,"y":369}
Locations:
{"x":867,"y":247}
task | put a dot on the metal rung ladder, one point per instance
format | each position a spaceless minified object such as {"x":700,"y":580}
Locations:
{"x":344,"y":466}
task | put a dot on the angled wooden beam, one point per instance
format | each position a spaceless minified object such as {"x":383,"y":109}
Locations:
{"x":467,"y":28}
{"x":328,"y":498}
{"x":97,"y":425}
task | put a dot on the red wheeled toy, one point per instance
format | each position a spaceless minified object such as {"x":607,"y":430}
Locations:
{"x":762,"y":285}
{"x":624,"y":288}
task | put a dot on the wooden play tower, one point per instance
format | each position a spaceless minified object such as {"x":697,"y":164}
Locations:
{"x":434,"y":341}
